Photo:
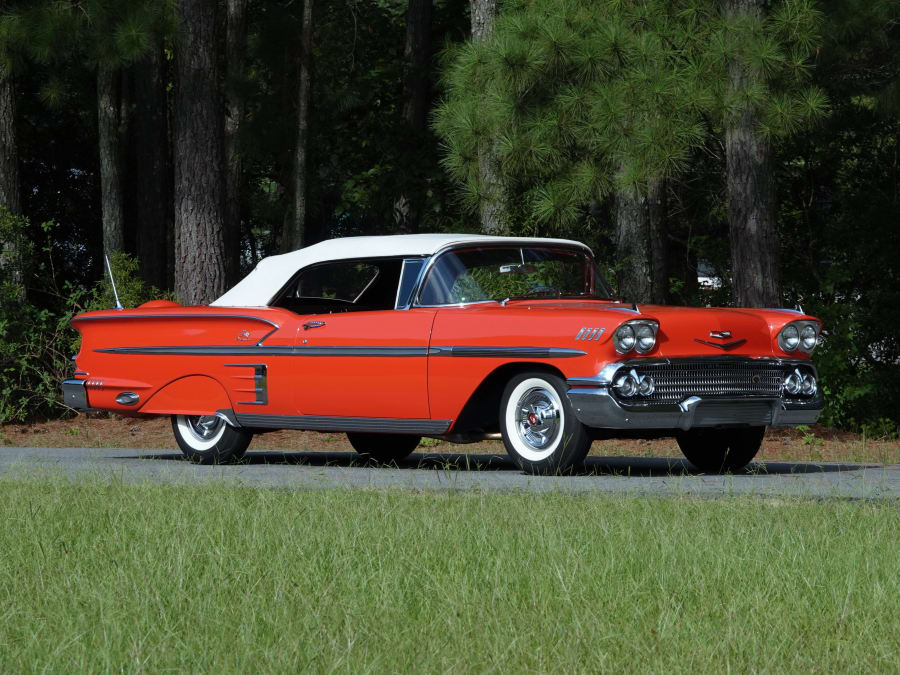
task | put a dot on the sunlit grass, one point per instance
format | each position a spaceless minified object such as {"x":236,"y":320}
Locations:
{"x":97,"y":576}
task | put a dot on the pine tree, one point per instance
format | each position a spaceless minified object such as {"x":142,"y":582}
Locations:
{"x":583,"y":102}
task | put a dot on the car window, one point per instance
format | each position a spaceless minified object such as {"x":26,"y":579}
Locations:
{"x":342,"y":286}
{"x":483,"y":274}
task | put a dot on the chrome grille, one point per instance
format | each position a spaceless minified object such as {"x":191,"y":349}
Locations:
{"x":677,"y":380}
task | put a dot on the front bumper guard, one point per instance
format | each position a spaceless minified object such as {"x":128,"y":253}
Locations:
{"x":596,"y":406}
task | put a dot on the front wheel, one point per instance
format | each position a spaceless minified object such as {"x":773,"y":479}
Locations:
{"x":383,"y":448}
{"x":207,"y":439}
{"x":538,"y":425}
{"x":721,"y":450}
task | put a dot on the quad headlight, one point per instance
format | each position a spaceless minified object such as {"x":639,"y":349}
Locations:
{"x":802,"y":335}
{"x":638,"y":335}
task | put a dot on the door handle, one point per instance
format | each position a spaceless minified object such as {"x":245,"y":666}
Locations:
{"x":313,"y":324}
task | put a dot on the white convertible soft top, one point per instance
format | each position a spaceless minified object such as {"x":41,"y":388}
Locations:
{"x":259,"y":287}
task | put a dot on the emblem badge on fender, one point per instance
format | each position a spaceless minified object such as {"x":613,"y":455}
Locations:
{"x":243,"y":335}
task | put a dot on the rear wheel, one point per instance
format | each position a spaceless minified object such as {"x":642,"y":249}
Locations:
{"x":207,"y":439}
{"x":538,"y":425}
{"x":383,"y":448}
{"x":721,"y":450}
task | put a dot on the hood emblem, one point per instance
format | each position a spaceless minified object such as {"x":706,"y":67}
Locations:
{"x":720,"y":334}
{"x":726,"y":347}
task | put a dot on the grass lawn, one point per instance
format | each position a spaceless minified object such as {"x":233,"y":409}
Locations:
{"x":98,"y":576}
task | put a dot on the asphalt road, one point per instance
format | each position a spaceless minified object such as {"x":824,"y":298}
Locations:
{"x":316,"y":470}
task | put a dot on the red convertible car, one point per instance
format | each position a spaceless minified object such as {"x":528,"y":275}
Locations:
{"x":459,"y":337}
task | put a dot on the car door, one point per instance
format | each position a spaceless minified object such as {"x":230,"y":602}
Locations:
{"x":356,"y":354}
{"x":365,"y":364}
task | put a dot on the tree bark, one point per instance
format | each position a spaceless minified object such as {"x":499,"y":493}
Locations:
{"x":416,"y":88}
{"x":199,"y":158}
{"x":235,"y":43}
{"x":293,"y":235}
{"x":151,"y":167}
{"x":659,"y":242}
{"x":632,"y":250}
{"x":752,"y":224}
{"x":492,"y":211}
{"x":108,"y":123}
{"x":9,"y":147}
{"x":9,"y":166}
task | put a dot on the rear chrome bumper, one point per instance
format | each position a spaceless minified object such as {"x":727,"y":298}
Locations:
{"x":595,"y":406}
{"x":74,"y":395}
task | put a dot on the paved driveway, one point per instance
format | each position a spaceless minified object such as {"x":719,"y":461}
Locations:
{"x":312,"y":470}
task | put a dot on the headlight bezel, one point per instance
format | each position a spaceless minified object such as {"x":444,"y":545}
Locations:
{"x":798,"y":328}
{"x":634,"y":326}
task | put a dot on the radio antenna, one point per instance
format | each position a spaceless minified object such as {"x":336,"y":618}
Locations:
{"x":113,"y":282}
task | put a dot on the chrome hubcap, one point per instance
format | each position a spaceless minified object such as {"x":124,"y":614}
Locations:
{"x":204,"y":427}
{"x":537,"y":418}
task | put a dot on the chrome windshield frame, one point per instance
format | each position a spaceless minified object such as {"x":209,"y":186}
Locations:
{"x":417,"y":293}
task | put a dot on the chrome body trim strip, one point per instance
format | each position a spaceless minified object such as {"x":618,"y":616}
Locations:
{"x":503,"y":352}
{"x":74,"y":395}
{"x":351,"y":350}
{"x":384,"y":425}
{"x":176,"y":316}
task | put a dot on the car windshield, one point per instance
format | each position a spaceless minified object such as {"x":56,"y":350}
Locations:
{"x":497,"y":273}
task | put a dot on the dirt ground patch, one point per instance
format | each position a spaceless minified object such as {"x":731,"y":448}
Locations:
{"x":816,"y":444}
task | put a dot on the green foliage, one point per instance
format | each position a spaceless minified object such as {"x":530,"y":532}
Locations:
{"x":36,"y":340}
{"x":576,"y":100}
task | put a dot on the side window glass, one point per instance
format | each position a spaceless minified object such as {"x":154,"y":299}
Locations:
{"x":344,"y":281}
{"x":342,"y":286}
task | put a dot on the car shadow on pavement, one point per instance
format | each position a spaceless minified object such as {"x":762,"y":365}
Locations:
{"x":647,"y":467}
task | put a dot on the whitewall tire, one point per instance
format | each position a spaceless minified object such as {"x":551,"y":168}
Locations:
{"x":208,"y":439}
{"x":539,"y":427}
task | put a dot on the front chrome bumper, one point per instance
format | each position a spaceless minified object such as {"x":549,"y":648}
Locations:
{"x":74,"y":395}
{"x":596,"y":406}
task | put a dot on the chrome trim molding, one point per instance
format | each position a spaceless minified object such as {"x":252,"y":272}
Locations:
{"x":227,"y":414}
{"x":175,"y":316}
{"x":590,"y":333}
{"x":74,"y":395}
{"x":387,"y":425}
{"x":726,"y":346}
{"x":260,"y":382}
{"x":351,"y":350}
{"x":513,"y":352}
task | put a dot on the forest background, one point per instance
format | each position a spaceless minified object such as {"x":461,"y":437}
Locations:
{"x":711,"y":152}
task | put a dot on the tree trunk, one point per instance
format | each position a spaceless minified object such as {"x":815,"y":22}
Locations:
{"x":751,"y":193}
{"x":9,"y":165}
{"x":493,"y":204}
{"x":9,"y":147}
{"x":292,"y":239}
{"x":659,"y":242}
{"x":151,"y":167}
{"x":199,"y":158}
{"x":108,"y":123}
{"x":416,"y":57}
{"x":235,"y":42}
{"x":632,"y":250}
